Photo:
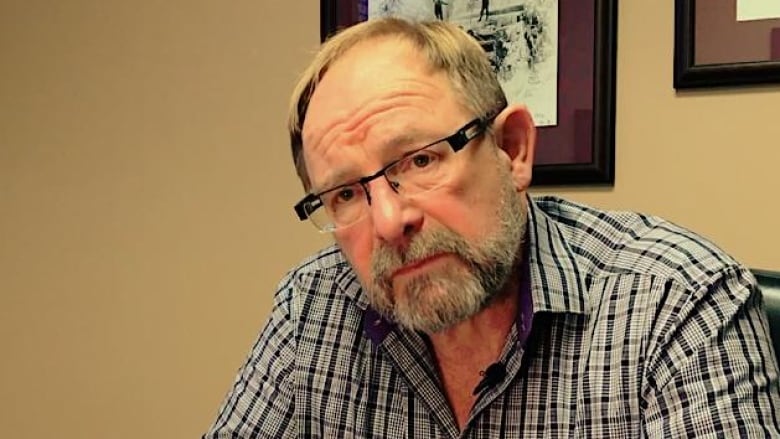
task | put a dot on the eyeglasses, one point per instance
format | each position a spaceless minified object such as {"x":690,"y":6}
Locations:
{"x":416,"y":172}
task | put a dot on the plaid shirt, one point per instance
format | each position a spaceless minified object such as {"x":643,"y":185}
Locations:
{"x":640,"y":329}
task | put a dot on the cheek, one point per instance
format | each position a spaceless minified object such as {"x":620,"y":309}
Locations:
{"x":467,"y":205}
{"x":461,"y":212}
{"x":357,"y":245}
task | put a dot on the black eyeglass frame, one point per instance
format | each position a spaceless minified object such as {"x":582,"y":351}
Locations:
{"x":457,"y":142}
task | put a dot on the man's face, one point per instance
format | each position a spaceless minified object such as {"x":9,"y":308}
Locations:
{"x":426,"y":261}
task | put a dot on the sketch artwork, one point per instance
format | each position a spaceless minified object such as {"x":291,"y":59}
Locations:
{"x":519,"y":36}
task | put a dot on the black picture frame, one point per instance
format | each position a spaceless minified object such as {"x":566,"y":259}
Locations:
{"x":598,"y":125}
{"x":690,"y":75}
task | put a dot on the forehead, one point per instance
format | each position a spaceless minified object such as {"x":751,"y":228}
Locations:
{"x":379,"y":68}
{"x":379,"y":94}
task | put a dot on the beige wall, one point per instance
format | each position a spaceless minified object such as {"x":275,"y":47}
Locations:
{"x":145,"y":194}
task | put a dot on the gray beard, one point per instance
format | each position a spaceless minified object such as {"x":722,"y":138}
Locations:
{"x":436,"y":301}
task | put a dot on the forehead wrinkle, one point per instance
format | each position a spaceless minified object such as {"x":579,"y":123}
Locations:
{"x":372,"y":107}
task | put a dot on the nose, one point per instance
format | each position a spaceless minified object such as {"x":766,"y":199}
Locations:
{"x":394,"y":217}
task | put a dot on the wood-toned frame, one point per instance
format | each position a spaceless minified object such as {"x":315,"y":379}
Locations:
{"x":593,"y":134}
{"x":689,"y":74}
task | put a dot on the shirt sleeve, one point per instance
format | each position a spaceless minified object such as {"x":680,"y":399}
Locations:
{"x":261,"y":403}
{"x":713,"y":372}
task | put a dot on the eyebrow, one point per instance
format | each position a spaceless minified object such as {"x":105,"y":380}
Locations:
{"x":409,"y":141}
{"x":334,"y":180}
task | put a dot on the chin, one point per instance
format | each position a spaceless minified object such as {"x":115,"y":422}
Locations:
{"x":433,"y":303}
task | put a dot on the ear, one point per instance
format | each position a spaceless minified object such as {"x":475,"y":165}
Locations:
{"x":516,"y":136}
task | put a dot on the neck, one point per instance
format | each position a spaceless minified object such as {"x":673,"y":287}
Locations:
{"x":465,"y":350}
{"x":480,"y":338}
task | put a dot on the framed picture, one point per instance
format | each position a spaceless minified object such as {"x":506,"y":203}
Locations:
{"x":726,"y":43}
{"x":556,"y":56}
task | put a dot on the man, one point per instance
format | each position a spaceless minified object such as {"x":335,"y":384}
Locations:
{"x":454,"y":305}
{"x":484,"y":9}
{"x":438,"y":9}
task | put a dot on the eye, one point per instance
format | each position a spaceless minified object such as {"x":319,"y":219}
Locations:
{"x":344,"y":195}
{"x":419,"y":161}
{"x":422,"y":159}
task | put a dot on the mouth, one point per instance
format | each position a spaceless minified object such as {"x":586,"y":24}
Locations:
{"x":417,"y":265}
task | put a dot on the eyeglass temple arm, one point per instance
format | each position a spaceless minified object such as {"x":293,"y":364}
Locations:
{"x":300,"y":208}
{"x":460,"y":139}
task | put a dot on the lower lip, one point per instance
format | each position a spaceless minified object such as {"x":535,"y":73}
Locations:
{"x":419,"y":265}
